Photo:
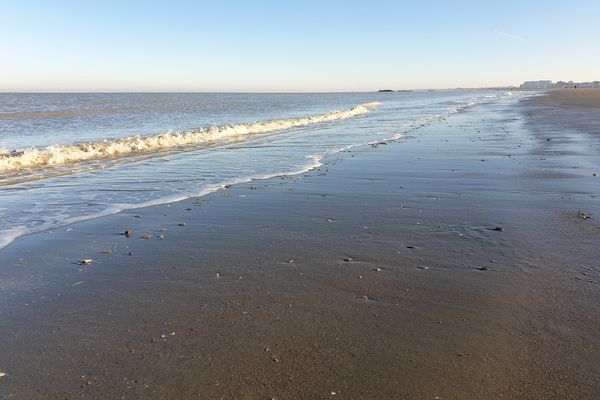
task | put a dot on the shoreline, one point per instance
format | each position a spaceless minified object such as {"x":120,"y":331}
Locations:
{"x":10,"y":235}
{"x":380,"y":274}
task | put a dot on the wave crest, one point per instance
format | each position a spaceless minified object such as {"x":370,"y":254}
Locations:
{"x":66,"y":154}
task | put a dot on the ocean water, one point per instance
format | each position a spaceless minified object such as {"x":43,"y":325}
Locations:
{"x":66,"y":158}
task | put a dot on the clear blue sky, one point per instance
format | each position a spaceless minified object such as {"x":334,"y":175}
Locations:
{"x":293,"y":45}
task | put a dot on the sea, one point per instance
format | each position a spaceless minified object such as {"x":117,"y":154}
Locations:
{"x":71,"y":157}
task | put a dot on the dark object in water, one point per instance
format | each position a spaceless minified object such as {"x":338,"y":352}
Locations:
{"x":385,"y":91}
{"x":583,"y":215}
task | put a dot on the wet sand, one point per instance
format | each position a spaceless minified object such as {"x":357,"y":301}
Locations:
{"x":453,"y":264}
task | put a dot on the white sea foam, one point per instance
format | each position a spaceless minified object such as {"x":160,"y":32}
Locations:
{"x":65,"y":154}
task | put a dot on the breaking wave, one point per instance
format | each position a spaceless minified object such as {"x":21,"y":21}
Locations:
{"x":66,"y":154}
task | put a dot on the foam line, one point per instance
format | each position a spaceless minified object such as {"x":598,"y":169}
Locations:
{"x":54,"y":155}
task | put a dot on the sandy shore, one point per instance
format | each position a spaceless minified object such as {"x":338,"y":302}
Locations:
{"x":454,"y":264}
{"x":585,"y":98}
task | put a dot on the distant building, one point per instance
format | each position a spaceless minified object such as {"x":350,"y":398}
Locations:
{"x":559,"y":85}
{"x":536,"y":85}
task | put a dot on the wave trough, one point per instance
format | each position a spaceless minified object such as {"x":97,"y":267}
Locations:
{"x":54,"y":155}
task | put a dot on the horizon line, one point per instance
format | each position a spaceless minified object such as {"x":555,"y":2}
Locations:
{"x":33,"y":91}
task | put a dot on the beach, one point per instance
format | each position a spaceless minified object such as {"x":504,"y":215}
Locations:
{"x":459,"y":261}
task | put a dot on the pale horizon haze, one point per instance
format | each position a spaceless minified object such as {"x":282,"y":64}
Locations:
{"x":269,"y":46}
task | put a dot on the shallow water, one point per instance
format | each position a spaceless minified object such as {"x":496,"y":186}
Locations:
{"x":39,"y":195}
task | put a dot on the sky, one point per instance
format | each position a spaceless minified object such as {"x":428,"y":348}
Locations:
{"x":279,"y":46}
